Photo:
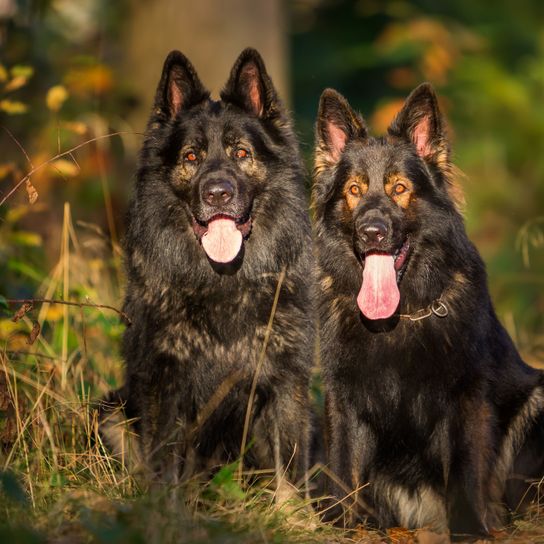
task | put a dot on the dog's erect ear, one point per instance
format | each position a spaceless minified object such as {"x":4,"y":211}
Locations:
{"x":421,"y":123}
{"x":249,"y":86}
{"x":179,"y":87}
{"x":337,"y":123}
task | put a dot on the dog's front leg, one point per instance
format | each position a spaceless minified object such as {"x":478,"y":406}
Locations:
{"x":467,"y":485}
{"x":283,"y":428}
{"x":349,"y":447}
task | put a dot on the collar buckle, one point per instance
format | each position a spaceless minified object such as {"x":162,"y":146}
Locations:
{"x":436,"y":307}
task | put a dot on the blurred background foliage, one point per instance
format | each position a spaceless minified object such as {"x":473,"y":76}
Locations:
{"x":63,"y":83}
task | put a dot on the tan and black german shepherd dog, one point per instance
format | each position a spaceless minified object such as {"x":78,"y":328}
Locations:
{"x":431,"y":412}
{"x":218,"y":255}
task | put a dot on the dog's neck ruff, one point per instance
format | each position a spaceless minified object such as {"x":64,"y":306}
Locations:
{"x":437,"y":307}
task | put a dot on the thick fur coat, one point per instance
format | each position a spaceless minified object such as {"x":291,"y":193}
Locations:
{"x":216,"y":230}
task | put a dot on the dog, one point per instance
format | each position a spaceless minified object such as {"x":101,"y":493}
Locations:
{"x":432,"y":418}
{"x":219,"y":262}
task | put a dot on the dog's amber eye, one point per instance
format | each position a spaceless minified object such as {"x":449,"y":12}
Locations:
{"x":399,"y":188}
{"x":190,"y":156}
{"x":355,"y":190}
{"x":241,"y":153}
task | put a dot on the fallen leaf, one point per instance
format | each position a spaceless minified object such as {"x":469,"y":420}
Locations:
{"x":400,"y":535}
{"x":31,"y":192}
{"x":22,"y":311}
{"x":34,"y":333}
{"x":425,"y":536}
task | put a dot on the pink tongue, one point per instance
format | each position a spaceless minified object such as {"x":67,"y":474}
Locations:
{"x":222,"y":241}
{"x":379,"y":295}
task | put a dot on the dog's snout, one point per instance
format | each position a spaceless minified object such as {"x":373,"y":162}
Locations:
{"x":375,"y":232}
{"x":217,"y":193}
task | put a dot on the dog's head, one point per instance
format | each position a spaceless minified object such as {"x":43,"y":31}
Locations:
{"x":380,"y":195}
{"x":214,"y":161}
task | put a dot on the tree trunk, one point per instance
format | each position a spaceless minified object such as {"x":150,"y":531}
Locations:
{"x":210,"y":33}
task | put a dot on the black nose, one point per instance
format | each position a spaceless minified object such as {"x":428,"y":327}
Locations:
{"x":375,"y":232}
{"x":218,"y":192}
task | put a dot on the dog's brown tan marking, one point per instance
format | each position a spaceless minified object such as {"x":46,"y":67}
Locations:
{"x":354,"y":189}
{"x":400,"y":189}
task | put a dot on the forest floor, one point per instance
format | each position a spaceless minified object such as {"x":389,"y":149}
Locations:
{"x":58,"y":483}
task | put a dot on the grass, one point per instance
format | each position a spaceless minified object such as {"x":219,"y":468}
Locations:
{"x":57,"y":481}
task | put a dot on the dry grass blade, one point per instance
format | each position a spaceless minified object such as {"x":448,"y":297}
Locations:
{"x":65,"y":260}
{"x":260,"y":362}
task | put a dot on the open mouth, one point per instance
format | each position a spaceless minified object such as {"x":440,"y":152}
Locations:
{"x":222,"y":235}
{"x":379,"y":295}
{"x":401,"y":258}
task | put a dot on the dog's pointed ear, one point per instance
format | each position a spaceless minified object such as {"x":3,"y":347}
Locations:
{"x":179,"y":87}
{"x":421,"y":123}
{"x":337,"y":124}
{"x":249,"y":86}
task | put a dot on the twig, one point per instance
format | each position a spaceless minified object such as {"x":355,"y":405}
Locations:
{"x":126,"y":319}
{"x":58,"y":156}
{"x":19,"y":145}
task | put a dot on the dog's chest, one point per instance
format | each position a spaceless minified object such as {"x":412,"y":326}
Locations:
{"x":218,"y":333}
{"x":396,"y":387}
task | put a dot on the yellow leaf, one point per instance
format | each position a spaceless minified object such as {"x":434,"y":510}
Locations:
{"x":18,"y":342}
{"x":75,"y":126}
{"x":12,"y":107}
{"x":5,"y":169}
{"x":14,"y":214}
{"x":65,"y":167}
{"x":8,"y":327}
{"x":18,"y":212}
{"x":25,"y":238}
{"x":96,"y":265}
{"x":22,"y":70}
{"x":3,"y":74}
{"x":97,"y":79}
{"x":16,"y":83}
{"x":54,"y":312}
{"x":56,"y":96}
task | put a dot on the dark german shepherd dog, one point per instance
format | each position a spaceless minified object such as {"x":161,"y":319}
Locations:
{"x":427,"y":399}
{"x":219,"y":264}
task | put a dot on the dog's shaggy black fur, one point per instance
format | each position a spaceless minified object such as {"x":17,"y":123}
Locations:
{"x":439,"y":416}
{"x":199,"y":319}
